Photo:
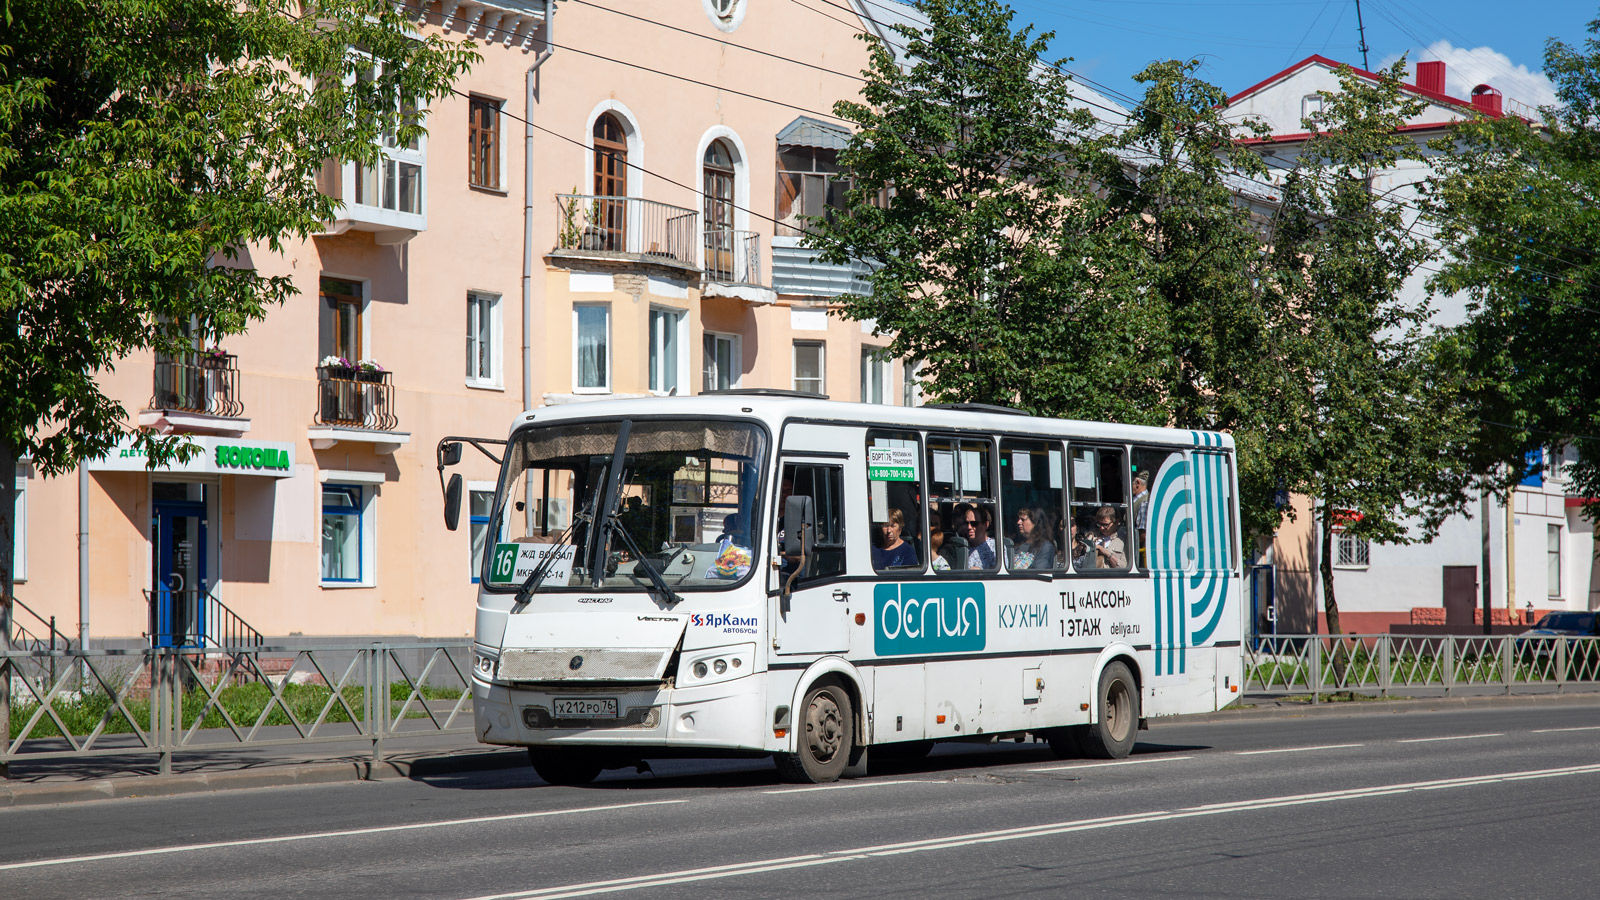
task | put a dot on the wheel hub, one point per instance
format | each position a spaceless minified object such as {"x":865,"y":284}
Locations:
{"x":824,"y":729}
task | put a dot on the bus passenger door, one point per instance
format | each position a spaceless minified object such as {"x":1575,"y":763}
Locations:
{"x":815,"y":617}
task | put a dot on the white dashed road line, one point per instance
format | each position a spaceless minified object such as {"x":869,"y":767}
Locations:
{"x":1122,"y":762}
{"x":1453,"y":737}
{"x":1296,"y":749}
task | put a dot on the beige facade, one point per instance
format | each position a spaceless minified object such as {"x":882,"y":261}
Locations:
{"x":314,"y":507}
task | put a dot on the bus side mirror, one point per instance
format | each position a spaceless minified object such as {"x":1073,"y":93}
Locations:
{"x":450,"y":454}
{"x":799,"y":527}
{"x":452,"y":498}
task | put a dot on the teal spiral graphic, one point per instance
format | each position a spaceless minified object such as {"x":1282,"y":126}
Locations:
{"x":1189,"y":543}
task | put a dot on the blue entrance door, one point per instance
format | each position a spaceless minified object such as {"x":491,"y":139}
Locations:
{"x":178,"y":564}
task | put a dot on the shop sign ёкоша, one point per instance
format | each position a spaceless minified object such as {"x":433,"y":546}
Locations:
{"x":215,"y":456}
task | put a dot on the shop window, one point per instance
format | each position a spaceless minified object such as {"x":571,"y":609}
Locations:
{"x":345,"y":539}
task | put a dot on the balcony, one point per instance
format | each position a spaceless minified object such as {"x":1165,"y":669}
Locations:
{"x":356,"y":405}
{"x":797,"y":270}
{"x":197,"y":393}
{"x":387,"y":200}
{"x":626,"y":228}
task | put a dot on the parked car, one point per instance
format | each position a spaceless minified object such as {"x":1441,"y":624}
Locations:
{"x":1583,"y":656}
{"x":1569,"y":623}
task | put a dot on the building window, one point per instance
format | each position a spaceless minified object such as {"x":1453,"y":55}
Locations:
{"x":340,"y":321}
{"x":1311,"y":105}
{"x":395,"y":182}
{"x":344,"y":541}
{"x":722,"y":362}
{"x":479,"y":505}
{"x":1349,"y":551}
{"x":591,"y":328}
{"x":1553,"y":558}
{"x":875,"y":376}
{"x":483,"y":338}
{"x":610,"y":207}
{"x":808,"y":186}
{"x":667,"y":354}
{"x":808,"y":366}
{"x":717,"y":181}
{"x":483,"y":143}
{"x":911,"y":383}
{"x":19,"y":529}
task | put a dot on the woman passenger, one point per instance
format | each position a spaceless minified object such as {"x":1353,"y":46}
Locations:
{"x":1032,"y":547}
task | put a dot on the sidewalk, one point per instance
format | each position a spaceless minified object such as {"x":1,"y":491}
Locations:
{"x":430,"y":755}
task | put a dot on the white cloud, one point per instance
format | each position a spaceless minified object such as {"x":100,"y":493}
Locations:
{"x":1466,"y":69}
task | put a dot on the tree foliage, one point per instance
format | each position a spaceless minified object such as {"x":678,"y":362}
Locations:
{"x":1516,"y":204}
{"x":145,"y":146}
{"x":1380,"y":444}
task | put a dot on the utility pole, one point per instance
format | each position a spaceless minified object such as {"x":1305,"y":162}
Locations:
{"x":1361,"y":30}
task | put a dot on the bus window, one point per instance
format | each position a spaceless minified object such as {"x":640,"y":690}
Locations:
{"x":824,"y":484}
{"x":961,"y":503}
{"x":894,"y":493}
{"x":1099,"y":509}
{"x":539,"y":505}
{"x":1149,"y":463}
{"x":1030,"y":498}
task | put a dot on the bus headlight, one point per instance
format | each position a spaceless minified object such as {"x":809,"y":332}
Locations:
{"x":716,"y":664}
{"x":483,"y":665}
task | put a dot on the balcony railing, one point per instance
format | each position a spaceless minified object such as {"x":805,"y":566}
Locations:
{"x":733,"y":257}
{"x":354,"y":398}
{"x":626,"y":225}
{"x":198,"y":383}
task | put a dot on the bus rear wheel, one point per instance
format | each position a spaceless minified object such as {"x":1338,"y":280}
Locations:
{"x":1115,"y":729}
{"x":563,"y":766}
{"x":825,"y":737}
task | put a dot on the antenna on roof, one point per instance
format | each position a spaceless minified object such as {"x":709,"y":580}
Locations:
{"x":1361,"y":30}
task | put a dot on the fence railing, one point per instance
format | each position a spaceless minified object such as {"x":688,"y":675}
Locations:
{"x":43,"y":635}
{"x":169,"y":701}
{"x":1384,"y":664}
{"x":626,"y":225}
{"x":732,"y":257}
{"x":195,"y":619}
{"x":201,"y":383}
{"x":355,"y":398}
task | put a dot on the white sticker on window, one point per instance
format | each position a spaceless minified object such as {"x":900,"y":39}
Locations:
{"x":1055,"y":469}
{"x":1021,"y":465}
{"x":1082,"y":472}
{"x":879,"y":492}
{"x":944,"y":466}
{"x":971,"y":474}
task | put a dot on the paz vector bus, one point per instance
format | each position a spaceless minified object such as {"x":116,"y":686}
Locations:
{"x":772,"y":573}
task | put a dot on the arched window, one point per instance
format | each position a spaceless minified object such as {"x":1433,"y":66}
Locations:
{"x":610,"y":181}
{"x":717,"y":181}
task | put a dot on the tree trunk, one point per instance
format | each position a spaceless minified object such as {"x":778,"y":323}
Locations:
{"x":8,"y":545}
{"x":1330,"y":605}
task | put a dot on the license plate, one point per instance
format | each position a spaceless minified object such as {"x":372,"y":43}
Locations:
{"x":586,"y":708}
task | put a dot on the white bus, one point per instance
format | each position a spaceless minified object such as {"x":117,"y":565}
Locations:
{"x":769,"y":573}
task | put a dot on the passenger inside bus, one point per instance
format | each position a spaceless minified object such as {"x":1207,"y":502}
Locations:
{"x":1030,"y":545}
{"x":972,"y":523}
{"x":1106,"y":541}
{"x":890,"y":549}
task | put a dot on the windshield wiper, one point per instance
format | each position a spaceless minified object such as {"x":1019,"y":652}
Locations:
{"x":656,"y":580}
{"x":606,"y":512}
{"x":537,"y":576}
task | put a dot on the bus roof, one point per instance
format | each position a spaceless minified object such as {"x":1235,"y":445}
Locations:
{"x":777,"y":407}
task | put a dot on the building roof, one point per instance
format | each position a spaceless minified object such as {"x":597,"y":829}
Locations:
{"x":1333,"y":64}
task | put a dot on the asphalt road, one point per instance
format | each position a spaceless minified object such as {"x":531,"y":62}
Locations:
{"x":1496,"y":802}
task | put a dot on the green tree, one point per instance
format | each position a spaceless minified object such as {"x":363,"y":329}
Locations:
{"x":1382,"y":434}
{"x":990,"y":249}
{"x":1515,"y":204}
{"x":145,"y":146}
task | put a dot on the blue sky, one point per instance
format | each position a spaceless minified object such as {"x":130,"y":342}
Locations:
{"x":1242,"y":42}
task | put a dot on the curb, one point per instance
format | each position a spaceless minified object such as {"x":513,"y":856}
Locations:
{"x":53,"y":792}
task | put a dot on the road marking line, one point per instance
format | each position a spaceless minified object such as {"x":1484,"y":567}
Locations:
{"x":1579,"y":728}
{"x":1120,"y":762}
{"x":1011,"y":834}
{"x":1453,"y":737}
{"x":1296,"y":749}
{"x":840,"y":787}
{"x":185,"y":848}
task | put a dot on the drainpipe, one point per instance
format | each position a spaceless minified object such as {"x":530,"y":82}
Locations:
{"x":83,"y":555}
{"x":527,"y":204}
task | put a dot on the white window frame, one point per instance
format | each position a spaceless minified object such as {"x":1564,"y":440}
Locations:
{"x":870,"y":360}
{"x":655,"y":357}
{"x":367,"y":535}
{"x":495,"y":378}
{"x":19,"y":562}
{"x":393,"y":156}
{"x":479,"y":487}
{"x":822,"y":365}
{"x":610,"y":350}
{"x":1310,"y":105}
{"x":1553,"y":562}
{"x":735,"y":360}
{"x":911,"y":382}
{"x":1349,"y":551}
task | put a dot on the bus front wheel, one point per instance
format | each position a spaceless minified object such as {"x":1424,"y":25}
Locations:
{"x":1115,"y":729}
{"x":825,"y":737}
{"x":563,"y":766}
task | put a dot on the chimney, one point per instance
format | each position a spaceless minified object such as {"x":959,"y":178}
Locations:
{"x":1486,"y":99}
{"x":1430,"y":76}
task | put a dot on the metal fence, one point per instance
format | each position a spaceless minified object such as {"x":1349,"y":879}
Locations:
{"x":628,"y":225}
{"x":1384,"y":664}
{"x":169,"y":701}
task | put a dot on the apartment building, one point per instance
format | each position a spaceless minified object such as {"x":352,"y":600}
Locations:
{"x":608,"y":206}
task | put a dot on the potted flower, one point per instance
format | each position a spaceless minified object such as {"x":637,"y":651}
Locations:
{"x":214,"y":358}
{"x":369,"y":370}
{"x":336,"y":367}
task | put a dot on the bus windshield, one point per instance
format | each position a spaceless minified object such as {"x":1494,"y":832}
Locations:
{"x":687,"y":504}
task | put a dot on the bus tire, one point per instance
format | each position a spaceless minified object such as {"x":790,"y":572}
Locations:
{"x":563,"y":766}
{"x":825,"y":736}
{"x":1115,"y":729}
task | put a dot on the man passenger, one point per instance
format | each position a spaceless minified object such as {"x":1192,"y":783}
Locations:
{"x":972,"y":523}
